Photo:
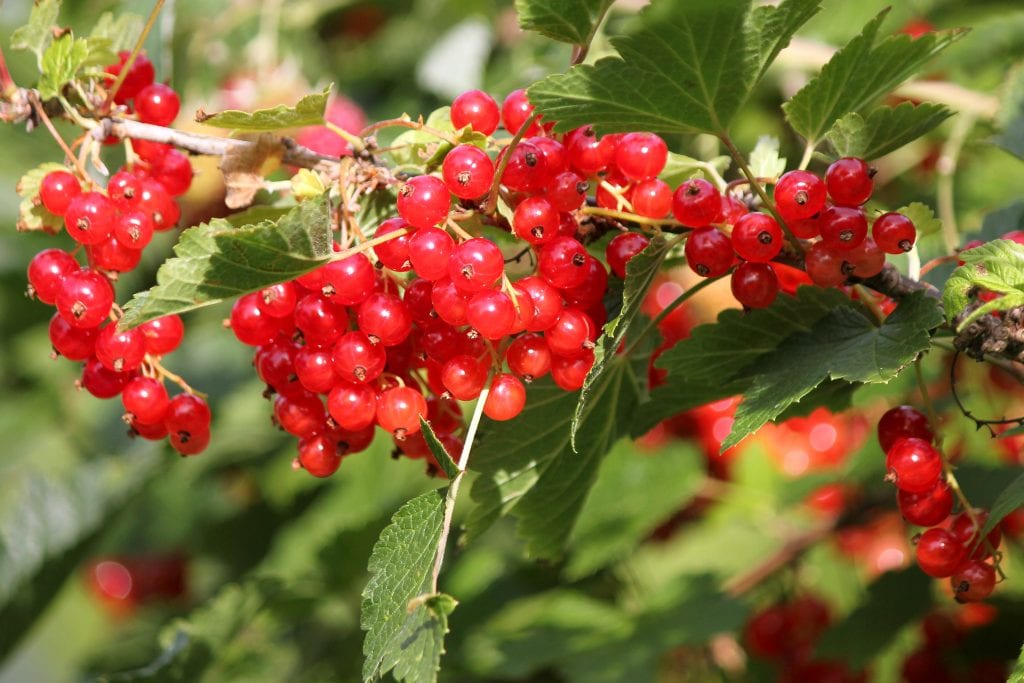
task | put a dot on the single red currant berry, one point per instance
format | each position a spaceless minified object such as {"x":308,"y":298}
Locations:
{"x":189,"y":444}
{"x":572,"y":334}
{"x":562,"y":262}
{"x":939,"y":553}
{"x":174,"y":171}
{"x":146,"y":400}
{"x":865,"y":260}
{"x":57,"y":189}
{"x":973,"y":582}
{"x":850,"y":181}
{"x":902,"y":422}
{"x":570,"y":373}
{"x":149,"y":151}
{"x":591,"y":291}
{"x":967,"y":532}
{"x":515,"y":111}
{"x":732,"y":209}
{"x":506,"y":398}
{"x":356,"y":359}
{"x":423,"y":201}
{"x":112,"y":256}
{"x":394,"y":253}
{"x":547,"y":302}
{"x":353,"y":406}
{"x":894,"y":233}
{"x":384,"y":319}
{"x":277,"y":301}
{"x":914,"y":465}
{"x":73,"y":343}
{"x":536,"y":220}
{"x":319,"y":320}
{"x":757,"y":237}
{"x":567,"y":191}
{"x":157,"y":104}
{"x":476,"y":109}
{"x":274,"y":363}
{"x":529,"y":356}
{"x":154,"y":200}
{"x":464,"y":377}
{"x":526,"y":170}
{"x":163,"y":335}
{"x":450,"y":302}
{"x":824,"y":266}
{"x":101,"y":381}
{"x":806,"y":228}
{"x":138,"y":77}
{"x":709,"y":252}
{"x":697,"y":203}
{"x":120,"y":351}
{"x":491,"y":313}
{"x":554,"y":153}
{"x":300,"y":413}
{"x":250,"y":324}
{"x":346,"y":282}
{"x":84,"y":298}
{"x":928,"y":508}
{"x":589,"y":154}
{"x":315,"y":369}
{"x":755,"y":285}
{"x":90,"y":218}
{"x":319,"y":455}
{"x":187,"y":414}
{"x":399,"y":410}
{"x":133,"y":230}
{"x":429,"y":252}
{"x":622,"y":248}
{"x":468,"y":172}
{"x":475,"y":265}
{"x":153,"y":432}
{"x":122,"y":189}
{"x":842,"y":227}
{"x":46,"y":270}
{"x":641,"y":156}
{"x":799,"y":195}
{"x":652,"y":198}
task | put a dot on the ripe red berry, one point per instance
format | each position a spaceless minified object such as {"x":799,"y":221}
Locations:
{"x":394,"y":253}
{"x":163,"y":335}
{"x":939,"y":553}
{"x":154,"y":200}
{"x":384,"y":318}
{"x":491,"y":313}
{"x":709,"y":252}
{"x":120,"y":350}
{"x":315,"y":369}
{"x":757,"y":237}
{"x":356,"y":359}
{"x":138,"y":77}
{"x":967,"y":532}
{"x":399,"y":410}
{"x":755,"y":285}
{"x":572,"y":335}
{"x":697,"y":203}
{"x":134,"y":230}
{"x":562,"y":262}
{"x":850,"y":181}
{"x":46,"y":270}
{"x":767,"y":632}
{"x":423,"y":201}
{"x":300,"y":413}
{"x":346,"y":282}
{"x":464,"y":377}
{"x":589,"y":154}
{"x":506,"y":398}
{"x":57,"y":189}
{"x":319,"y":320}
{"x":641,"y":156}
{"x":84,"y":298}
{"x":569,"y":373}
{"x":824,"y":266}
{"x":622,"y":248}
{"x":429,"y":252}
{"x":468,"y":172}
{"x":515,"y":111}
{"x":188,"y":423}
{"x":278,"y":300}
{"x":894,"y":233}
{"x":547,"y":302}
{"x":103,"y":382}
{"x":319,"y":455}
{"x":353,"y":406}
{"x":652,"y":198}
{"x":526,"y":170}
{"x":112,"y":256}
{"x":536,"y":220}
{"x":90,"y":218}
{"x":567,"y":191}
{"x":476,"y":109}
{"x":914,"y":465}
{"x":591,"y":291}
{"x":902,"y":422}
{"x":450,"y":302}
{"x":146,"y":400}
{"x":529,"y":356}
{"x":928,"y":508}
{"x":157,"y":104}
{"x":973,"y":582}
{"x":555,"y":155}
{"x":842,"y":227}
{"x":173,"y":170}
{"x":74,"y":343}
{"x":865,"y":260}
{"x":799,"y":195}
{"x":475,"y":265}
{"x":250,"y":324}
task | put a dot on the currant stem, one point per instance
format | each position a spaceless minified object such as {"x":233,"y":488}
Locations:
{"x":406,"y":122}
{"x":492,"y":195}
{"x":453,"y":488}
{"x":368,"y":244}
{"x":164,"y":373}
{"x":358,"y":144}
{"x":41,"y":112}
{"x":628,"y":216}
{"x":126,"y":67}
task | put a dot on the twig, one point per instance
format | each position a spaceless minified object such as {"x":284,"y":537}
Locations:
{"x":789,"y":552}
{"x":33,"y":98}
{"x":126,"y":67}
{"x":629,"y":217}
{"x":406,"y":122}
{"x":978,"y":422}
{"x":492,"y":195}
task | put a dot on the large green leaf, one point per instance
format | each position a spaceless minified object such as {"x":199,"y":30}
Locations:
{"x":308,"y":111}
{"x":640,"y":273}
{"x":528,"y":466}
{"x":570,"y":21}
{"x":37,"y":34}
{"x":404,"y":624}
{"x":844,"y":345}
{"x":687,"y":69}
{"x":885,"y":129}
{"x":216,"y":261}
{"x":860,"y":74}
{"x":61,"y":61}
{"x":772,"y":27}
{"x":997,"y":266}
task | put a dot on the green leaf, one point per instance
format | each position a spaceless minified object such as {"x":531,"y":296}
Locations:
{"x":635,"y":491}
{"x":772,"y":27}
{"x":640,"y":273}
{"x":1011,"y":498}
{"x":32,"y":215}
{"x":1017,"y":675}
{"x":216,"y":261}
{"x":37,"y":34}
{"x":923,"y":218}
{"x":859,"y":74}
{"x":48,"y":527}
{"x":528,"y":467}
{"x":846,"y":344}
{"x":405,"y":626}
{"x":688,"y":68}
{"x":309,"y":111}
{"x":451,"y":470}
{"x":997,"y":266}
{"x":894,"y":600}
{"x":61,"y":62}
{"x":568,"y":21}
{"x":122,"y":32}
{"x":680,"y":168}
{"x":885,"y":129}
{"x":765,"y":161}
{"x":418,"y":147}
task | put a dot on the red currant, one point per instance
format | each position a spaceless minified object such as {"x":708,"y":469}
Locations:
{"x":475,"y":265}
{"x":567,"y":191}
{"x":90,"y":218}
{"x":163,"y":335}
{"x":399,"y":410}
{"x":939,"y":553}
{"x":74,"y":343}
{"x":757,"y":237}
{"x":914,"y":465}
{"x":562,"y":262}
{"x":491,"y":313}
{"x":146,"y":400}
{"x":357,"y":359}
{"x":46,"y":270}
{"x":651,"y":198}
{"x":799,"y":195}
{"x":842,"y":227}
{"x":57,"y":189}
{"x":973,"y":582}
{"x":755,"y":285}
{"x":423,"y":201}
{"x":529,"y":356}
{"x":394,"y":253}
{"x":429,"y":252}
{"x":697,"y":203}
{"x":384,"y":318}
{"x":120,"y":350}
{"x":622,"y":248}
{"x":902,"y":422}
{"x":84,"y":298}
{"x":894,"y":233}
{"x":157,"y":104}
{"x":468,"y":172}
{"x":515,"y":111}
{"x":928,"y":508}
{"x":319,"y":455}
{"x":476,"y":109}
{"x":353,"y":406}
{"x":464,"y":377}
{"x":506,"y":398}
{"x":709,"y":252}
{"x":850,"y":181}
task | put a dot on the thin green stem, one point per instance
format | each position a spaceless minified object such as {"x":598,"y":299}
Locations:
{"x":358,"y":144}
{"x":805,"y":161}
{"x":628,"y":216}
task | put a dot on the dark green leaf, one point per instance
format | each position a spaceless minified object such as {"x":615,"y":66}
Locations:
{"x":32,"y":215}
{"x":846,"y":345}
{"x":997,"y":266}
{"x":885,"y":129}
{"x":404,"y":633}
{"x":1009,"y":500}
{"x":774,"y":26}
{"x":860,"y":74}
{"x":570,"y":21}
{"x":894,"y":600}
{"x":451,"y":470}
{"x":528,"y":467}
{"x":61,"y":61}
{"x":216,"y":261}
{"x":122,"y":31}
{"x":687,"y":69}
{"x":640,"y":273}
{"x":309,"y":111}
{"x":37,"y":34}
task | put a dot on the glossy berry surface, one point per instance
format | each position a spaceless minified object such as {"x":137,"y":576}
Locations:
{"x":754,"y":285}
{"x":622,"y":248}
{"x":709,"y":252}
{"x":429,"y":252}
{"x":506,"y":398}
{"x":467,"y":171}
{"x":423,"y":201}
{"x":842,"y":228}
{"x":894,"y":233}
{"x":757,"y":237}
{"x":914,"y":464}
{"x":475,"y":264}
{"x":157,"y":104}
{"x":901,"y":422}
{"x":90,"y":218}
{"x":476,"y":109}
{"x":84,"y":298}
{"x":399,"y":410}
{"x":562,"y":262}
{"x":799,"y":195}
{"x":515,"y":111}
{"x":641,"y":156}
{"x":928,"y":508}
{"x":849,"y":181}
{"x":939,"y":553}
{"x":535,"y":220}
{"x":56,"y":191}
{"x":973,"y":581}
{"x":697,"y":203}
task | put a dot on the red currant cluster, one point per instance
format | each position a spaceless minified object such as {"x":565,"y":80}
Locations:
{"x":786,"y":633}
{"x":112,"y":226}
{"x":952,"y":548}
